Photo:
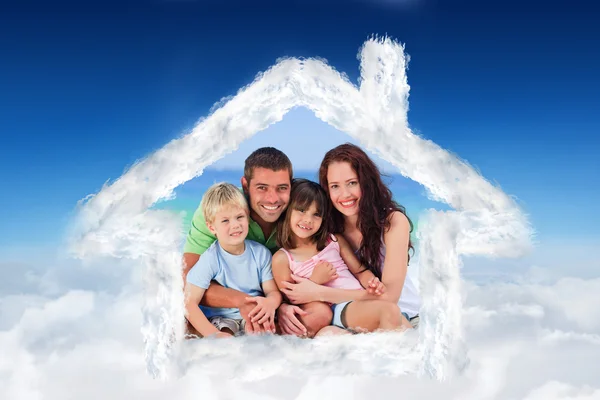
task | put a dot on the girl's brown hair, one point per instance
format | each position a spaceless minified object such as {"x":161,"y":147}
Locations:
{"x":302,"y":195}
{"x":375,"y":206}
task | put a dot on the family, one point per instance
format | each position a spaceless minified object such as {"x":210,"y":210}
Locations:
{"x":295,"y":257}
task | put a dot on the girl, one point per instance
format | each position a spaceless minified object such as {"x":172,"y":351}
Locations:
{"x":374,"y":226}
{"x":309,"y":251}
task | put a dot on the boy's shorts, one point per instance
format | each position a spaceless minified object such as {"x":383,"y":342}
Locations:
{"x":339,"y":319}
{"x":237,"y":326}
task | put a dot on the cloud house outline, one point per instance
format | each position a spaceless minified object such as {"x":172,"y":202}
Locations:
{"x":117,"y":222}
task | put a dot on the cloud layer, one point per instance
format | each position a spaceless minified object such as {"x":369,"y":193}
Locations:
{"x":526,"y":340}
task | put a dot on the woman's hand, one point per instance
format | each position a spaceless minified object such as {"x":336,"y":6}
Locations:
{"x":303,"y":291}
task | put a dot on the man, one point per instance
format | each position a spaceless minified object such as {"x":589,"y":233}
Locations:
{"x":266,"y":184}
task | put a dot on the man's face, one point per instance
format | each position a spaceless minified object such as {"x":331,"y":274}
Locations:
{"x":268,"y":192}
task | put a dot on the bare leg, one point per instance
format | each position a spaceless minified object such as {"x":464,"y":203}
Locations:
{"x":373,"y":315}
{"x":319,"y":316}
{"x":332,"y":330}
{"x":406,"y":324}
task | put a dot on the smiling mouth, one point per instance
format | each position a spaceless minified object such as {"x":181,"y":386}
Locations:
{"x":236,"y":234}
{"x":304,"y":227}
{"x":270,"y":208}
{"x":348,"y":204}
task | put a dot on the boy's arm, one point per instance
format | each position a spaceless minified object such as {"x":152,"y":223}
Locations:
{"x":272,"y":293}
{"x":193,"y":296}
{"x":361,"y":273}
{"x":266,"y":307}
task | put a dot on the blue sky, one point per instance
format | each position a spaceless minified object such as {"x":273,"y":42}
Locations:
{"x":87,"y":89}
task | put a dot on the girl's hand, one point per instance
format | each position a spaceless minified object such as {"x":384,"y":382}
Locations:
{"x":323,"y":273}
{"x":375,"y":287}
{"x":302,"y":292}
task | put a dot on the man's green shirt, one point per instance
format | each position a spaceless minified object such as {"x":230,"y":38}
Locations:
{"x":200,"y":238}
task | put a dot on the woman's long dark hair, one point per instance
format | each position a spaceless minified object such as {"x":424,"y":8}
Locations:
{"x":302,"y":195}
{"x":375,"y":206}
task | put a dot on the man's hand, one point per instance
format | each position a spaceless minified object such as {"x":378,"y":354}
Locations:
{"x":251,"y":327}
{"x":323,"y":273}
{"x":375,"y":287}
{"x":288,"y":322}
{"x":263,"y":313}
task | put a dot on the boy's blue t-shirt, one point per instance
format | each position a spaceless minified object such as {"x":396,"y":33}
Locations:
{"x":245,"y":273}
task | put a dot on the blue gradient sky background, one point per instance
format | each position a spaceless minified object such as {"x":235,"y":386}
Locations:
{"x":87,"y":89}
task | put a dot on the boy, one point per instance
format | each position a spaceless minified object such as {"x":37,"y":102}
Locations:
{"x":233,"y":262}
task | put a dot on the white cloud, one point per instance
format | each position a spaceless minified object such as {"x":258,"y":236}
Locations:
{"x":567,"y":302}
{"x":555,"y":390}
{"x":76,"y":344}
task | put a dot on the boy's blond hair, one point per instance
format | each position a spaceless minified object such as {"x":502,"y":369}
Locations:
{"x":220,"y":195}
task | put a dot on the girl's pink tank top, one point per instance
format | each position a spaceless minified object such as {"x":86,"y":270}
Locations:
{"x":331,"y":254}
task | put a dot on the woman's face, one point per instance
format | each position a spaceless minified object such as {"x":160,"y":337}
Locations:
{"x":344,"y":188}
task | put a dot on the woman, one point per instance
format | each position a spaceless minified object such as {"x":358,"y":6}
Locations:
{"x":375,"y":226}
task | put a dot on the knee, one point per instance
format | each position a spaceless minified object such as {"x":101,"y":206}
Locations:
{"x":390,"y":314}
{"x":319,"y":316}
